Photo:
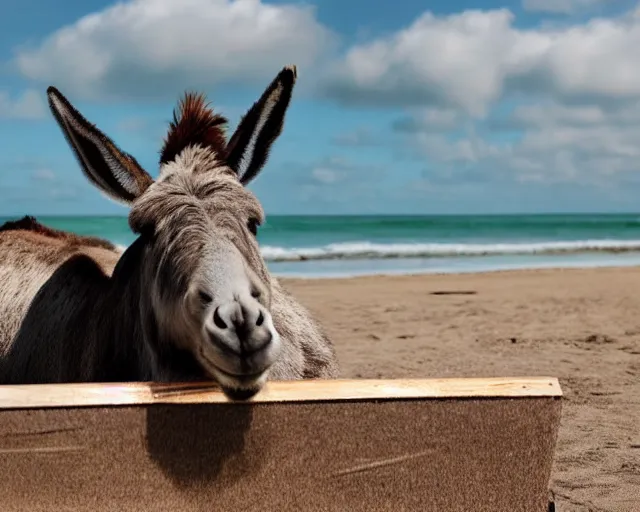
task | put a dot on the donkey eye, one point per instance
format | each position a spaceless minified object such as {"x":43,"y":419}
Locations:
{"x":252,"y":225}
{"x":205,"y":297}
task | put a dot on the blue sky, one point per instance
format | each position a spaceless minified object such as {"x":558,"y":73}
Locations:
{"x":401,"y":107}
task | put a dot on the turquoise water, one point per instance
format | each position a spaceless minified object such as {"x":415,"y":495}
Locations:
{"x":352,"y":245}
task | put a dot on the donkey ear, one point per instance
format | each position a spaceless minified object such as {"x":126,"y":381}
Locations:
{"x":116,"y":173}
{"x":248,"y":148}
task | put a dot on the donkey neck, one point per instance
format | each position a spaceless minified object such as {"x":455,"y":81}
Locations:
{"x":138,"y":334}
{"x":119,"y":320}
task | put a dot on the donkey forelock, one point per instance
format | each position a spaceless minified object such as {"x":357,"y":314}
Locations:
{"x":195,"y":123}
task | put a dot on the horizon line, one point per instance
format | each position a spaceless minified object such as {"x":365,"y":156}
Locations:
{"x":329,"y":215}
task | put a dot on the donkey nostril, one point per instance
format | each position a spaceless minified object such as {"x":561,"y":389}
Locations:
{"x":218,"y":321}
{"x":260,"y":319}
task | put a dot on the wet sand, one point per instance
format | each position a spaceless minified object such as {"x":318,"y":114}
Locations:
{"x":582,"y":326}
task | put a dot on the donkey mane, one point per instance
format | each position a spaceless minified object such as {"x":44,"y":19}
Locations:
{"x":196,"y":123}
{"x":31,"y":224}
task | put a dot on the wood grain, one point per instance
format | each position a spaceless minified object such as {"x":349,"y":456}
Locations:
{"x":97,"y":394}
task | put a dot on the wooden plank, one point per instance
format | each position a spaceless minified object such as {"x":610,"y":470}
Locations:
{"x":485,"y":445}
{"x":96,"y":394}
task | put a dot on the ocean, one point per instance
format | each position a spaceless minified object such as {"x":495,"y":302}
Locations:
{"x":338,"y":246}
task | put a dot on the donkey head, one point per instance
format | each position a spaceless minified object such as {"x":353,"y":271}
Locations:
{"x":204,"y":287}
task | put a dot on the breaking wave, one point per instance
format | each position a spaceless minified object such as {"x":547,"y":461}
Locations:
{"x":368,"y":250}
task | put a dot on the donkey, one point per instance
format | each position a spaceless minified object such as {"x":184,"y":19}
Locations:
{"x":191,"y":298}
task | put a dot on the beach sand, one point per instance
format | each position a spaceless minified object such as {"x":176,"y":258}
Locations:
{"x":582,"y":326}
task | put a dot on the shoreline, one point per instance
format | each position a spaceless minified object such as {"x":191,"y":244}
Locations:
{"x":292,"y":276}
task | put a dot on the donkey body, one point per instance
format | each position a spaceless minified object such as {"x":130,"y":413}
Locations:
{"x":191,"y":298}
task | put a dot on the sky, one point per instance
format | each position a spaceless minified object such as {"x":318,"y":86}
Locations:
{"x":401,"y":107}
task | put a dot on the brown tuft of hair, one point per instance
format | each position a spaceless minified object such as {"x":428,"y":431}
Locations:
{"x":29,"y":223}
{"x":195,"y":124}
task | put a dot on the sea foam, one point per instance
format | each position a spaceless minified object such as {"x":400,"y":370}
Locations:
{"x":368,"y":250}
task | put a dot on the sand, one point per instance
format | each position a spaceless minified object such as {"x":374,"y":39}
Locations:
{"x":582,"y":326}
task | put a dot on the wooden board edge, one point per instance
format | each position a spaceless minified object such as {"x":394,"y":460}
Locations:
{"x":144,"y":393}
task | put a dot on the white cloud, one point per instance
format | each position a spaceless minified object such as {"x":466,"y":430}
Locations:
{"x":43,"y":174}
{"x":577,"y":86}
{"x":470,"y":60}
{"x":360,"y":137}
{"x":430,"y":119}
{"x":456,"y":59}
{"x":464,"y":61}
{"x":576,"y":89}
{"x":145,"y":48}
{"x":555,"y":143}
{"x":335,"y":169}
{"x":29,"y":105}
{"x":326,"y":175}
{"x":134,"y":124}
{"x":63,"y":194}
{"x":561,"y":6}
